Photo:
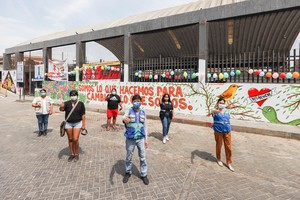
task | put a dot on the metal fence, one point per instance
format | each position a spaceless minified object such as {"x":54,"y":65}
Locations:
{"x":255,"y":67}
{"x":170,"y":69}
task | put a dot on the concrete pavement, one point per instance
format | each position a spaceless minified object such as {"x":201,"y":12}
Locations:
{"x":36,"y":167}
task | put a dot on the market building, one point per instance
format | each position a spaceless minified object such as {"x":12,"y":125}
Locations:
{"x":196,"y":52}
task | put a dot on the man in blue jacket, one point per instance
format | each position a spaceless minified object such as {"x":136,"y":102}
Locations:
{"x":136,"y":135}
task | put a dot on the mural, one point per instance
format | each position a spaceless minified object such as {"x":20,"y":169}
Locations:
{"x":9,"y":80}
{"x":260,"y":103}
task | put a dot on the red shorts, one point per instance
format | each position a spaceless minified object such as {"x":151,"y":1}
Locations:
{"x":112,"y":113}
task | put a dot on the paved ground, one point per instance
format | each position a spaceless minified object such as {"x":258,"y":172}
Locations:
{"x":36,"y":167}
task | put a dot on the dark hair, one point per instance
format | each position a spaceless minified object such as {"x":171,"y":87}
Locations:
{"x":163,"y":98}
{"x":41,"y":90}
{"x":73,"y":92}
{"x":221,"y":99}
{"x":114,"y":89}
{"x":136,"y":96}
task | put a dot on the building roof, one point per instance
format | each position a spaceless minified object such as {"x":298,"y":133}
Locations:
{"x":194,"y":6}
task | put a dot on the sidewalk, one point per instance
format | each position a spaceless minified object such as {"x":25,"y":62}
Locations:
{"x":262,"y":128}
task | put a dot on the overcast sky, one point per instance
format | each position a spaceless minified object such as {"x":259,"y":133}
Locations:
{"x":22,"y":20}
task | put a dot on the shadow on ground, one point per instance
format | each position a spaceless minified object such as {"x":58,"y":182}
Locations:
{"x":202,"y":154}
{"x":119,"y":168}
{"x":66,"y":152}
{"x":156,"y":135}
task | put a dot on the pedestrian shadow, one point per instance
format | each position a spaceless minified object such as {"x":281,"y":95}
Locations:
{"x":202,"y":154}
{"x":66,"y":152}
{"x":156,"y":135}
{"x":119,"y":168}
{"x":48,"y":131}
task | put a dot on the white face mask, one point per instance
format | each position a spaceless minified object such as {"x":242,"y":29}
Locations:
{"x":222,"y":106}
{"x":113,"y":92}
{"x":74,"y":98}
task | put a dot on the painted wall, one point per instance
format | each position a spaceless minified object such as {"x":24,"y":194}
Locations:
{"x":260,"y":102}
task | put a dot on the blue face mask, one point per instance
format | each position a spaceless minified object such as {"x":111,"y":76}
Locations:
{"x":136,"y":105}
{"x":43,"y":94}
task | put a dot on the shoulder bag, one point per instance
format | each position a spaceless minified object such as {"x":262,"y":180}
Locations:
{"x":63,"y":123}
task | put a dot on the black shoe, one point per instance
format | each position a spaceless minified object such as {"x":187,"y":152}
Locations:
{"x":44,"y":133}
{"x":71,"y":157}
{"x":145,"y":180}
{"x":40,"y":133}
{"x":126,"y":177}
{"x":76,"y":158}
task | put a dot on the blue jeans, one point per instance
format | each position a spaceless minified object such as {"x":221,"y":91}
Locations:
{"x":43,"y":122}
{"x":166,"y":122}
{"x":130,"y":145}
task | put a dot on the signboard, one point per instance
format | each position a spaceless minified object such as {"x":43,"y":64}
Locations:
{"x":39,"y":72}
{"x":57,"y":70}
{"x":20,"y":72}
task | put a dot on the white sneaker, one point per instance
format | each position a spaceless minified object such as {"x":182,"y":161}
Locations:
{"x":164,"y":140}
{"x":220,"y":163}
{"x":230,"y":168}
{"x":167,"y":138}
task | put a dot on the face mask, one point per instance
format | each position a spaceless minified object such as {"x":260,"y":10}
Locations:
{"x":74,"y":98}
{"x":113,"y":92}
{"x":136,"y":105}
{"x":43,"y":94}
{"x":221,"y":106}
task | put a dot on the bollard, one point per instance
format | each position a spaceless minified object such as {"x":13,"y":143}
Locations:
{"x":6,"y":92}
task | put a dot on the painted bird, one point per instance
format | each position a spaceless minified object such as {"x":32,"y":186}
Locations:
{"x":228,"y":94}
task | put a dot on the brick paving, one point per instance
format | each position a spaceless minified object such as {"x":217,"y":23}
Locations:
{"x":184,"y":168}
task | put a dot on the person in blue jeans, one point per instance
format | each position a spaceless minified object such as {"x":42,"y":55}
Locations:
{"x":166,"y":115}
{"x":43,"y":108}
{"x":136,"y":136}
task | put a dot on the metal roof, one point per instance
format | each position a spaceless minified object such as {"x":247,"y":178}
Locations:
{"x":194,"y":6}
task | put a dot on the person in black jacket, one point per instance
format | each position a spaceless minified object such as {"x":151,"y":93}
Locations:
{"x":166,"y":115}
{"x":74,"y":124}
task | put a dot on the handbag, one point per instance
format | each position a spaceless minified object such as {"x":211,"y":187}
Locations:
{"x":63,"y":123}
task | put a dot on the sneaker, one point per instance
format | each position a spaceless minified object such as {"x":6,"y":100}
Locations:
{"x":167,"y":138}
{"x":126,"y":177}
{"x":164,"y":140}
{"x":230,"y":168}
{"x":145,"y":180}
{"x":220,"y":163}
{"x":71,"y":157}
{"x":44,"y":133}
{"x":76,"y":158}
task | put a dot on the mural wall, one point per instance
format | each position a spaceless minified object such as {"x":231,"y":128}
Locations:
{"x":260,"y":102}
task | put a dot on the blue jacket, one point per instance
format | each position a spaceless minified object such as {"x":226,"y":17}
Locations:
{"x":135,"y":127}
{"x":221,"y":122}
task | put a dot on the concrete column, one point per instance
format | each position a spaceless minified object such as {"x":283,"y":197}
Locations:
{"x":126,"y":57}
{"x":203,"y":49}
{"x":80,"y":53}
{"x":47,"y":54}
{"x":6,"y":61}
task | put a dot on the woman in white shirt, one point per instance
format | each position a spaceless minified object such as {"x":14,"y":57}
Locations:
{"x":43,"y":108}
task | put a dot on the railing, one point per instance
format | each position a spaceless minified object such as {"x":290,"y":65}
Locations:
{"x":255,"y":67}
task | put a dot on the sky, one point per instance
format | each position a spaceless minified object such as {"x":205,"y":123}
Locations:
{"x":22,"y":20}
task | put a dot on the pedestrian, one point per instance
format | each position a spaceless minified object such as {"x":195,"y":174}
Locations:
{"x":43,"y":108}
{"x":222,"y":131}
{"x":113,"y":103}
{"x":166,"y":115}
{"x":74,"y":124}
{"x":136,"y":135}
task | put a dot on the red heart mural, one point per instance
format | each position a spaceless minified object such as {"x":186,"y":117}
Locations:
{"x":253,"y":92}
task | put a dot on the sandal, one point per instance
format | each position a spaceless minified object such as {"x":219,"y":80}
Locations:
{"x":107,"y":129}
